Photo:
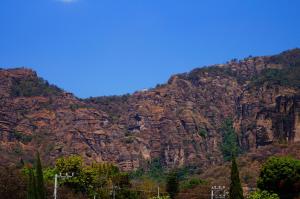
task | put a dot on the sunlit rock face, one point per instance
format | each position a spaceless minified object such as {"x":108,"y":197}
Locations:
{"x":177,"y":122}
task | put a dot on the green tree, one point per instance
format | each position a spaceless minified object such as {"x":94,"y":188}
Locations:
{"x":73,"y":165}
{"x":281,"y":175}
{"x":172,"y":186}
{"x":263,"y":195}
{"x":40,"y":188}
{"x":31,"y":187}
{"x":98,"y":179}
{"x":235,"y":191}
{"x":229,"y":146}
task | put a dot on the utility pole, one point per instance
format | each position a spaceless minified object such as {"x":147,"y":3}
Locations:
{"x":114,"y":193}
{"x":56,"y":179}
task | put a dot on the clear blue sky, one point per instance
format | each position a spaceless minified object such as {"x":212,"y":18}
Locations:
{"x":105,"y":47}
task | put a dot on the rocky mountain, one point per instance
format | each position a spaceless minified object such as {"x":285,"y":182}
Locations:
{"x":177,"y":123}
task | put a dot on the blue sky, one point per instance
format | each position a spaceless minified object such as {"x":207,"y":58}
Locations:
{"x":106,"y":47}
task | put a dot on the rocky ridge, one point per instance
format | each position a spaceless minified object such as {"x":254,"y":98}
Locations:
{"x":177,"y":122}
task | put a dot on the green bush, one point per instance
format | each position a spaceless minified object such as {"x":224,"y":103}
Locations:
{"x":191,"y":183}
{"x":263,"y":195}
{"x":281,"y":175}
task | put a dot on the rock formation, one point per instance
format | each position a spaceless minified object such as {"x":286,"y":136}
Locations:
{"x":177,"y":122}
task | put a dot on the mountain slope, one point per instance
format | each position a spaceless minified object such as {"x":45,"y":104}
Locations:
{"x":178,"y":122}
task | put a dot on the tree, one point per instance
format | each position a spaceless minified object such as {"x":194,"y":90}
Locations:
{"x":229,"y":145}
{"x":281,"y":175}
{"x":73,"y":164}
{"x":263,"y":195}
{"x":235,"y":191}
{"x":31,"y":187}
{"x":40,"y":188}
{"x":172,"y":184}
{"x":98,"y":179}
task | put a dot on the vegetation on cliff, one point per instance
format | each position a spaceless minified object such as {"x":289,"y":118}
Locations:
{"x":230,"y":146}
{"x":33,"y":86}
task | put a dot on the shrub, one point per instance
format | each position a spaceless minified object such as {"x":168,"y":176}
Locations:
{"x":263,"y":195}
{"x":191,"y":183}
{"x":281,"y":175}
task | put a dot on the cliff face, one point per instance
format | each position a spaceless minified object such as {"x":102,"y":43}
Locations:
{"x":177,"y":122}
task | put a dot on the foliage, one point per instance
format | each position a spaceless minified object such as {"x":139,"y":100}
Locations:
{"x":229,"y":146}
{"x":148,"y":185}
{"x":114,"y":105}
{"x":106,"y":100}
{"x":263,"y":195}
{"x":31,"y":189}
{"x":74,"y":107}
{"x":153,"y":170}
{"x":235,"y":191}
{"x":203,"y":133}
{"x":49,"y":174}
{"x":288,"y":76}
{"x":99,"y":179}
{"x":40,"y":187}
{"x":290,"y":58}
{"x":32,"y":86}
{"x":71,"y":164}
{"x":172,"y":184}
{"x":35,"y":186}
{"x":283,"y":77}
{"x":281,"y":175}
{"x":191,"y":183}
{"x":156,"y":170}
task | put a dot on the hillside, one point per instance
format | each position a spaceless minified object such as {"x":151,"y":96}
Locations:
{"x":177,"y":122}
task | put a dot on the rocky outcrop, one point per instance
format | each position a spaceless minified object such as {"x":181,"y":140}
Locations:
{"x":178,"y":122}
